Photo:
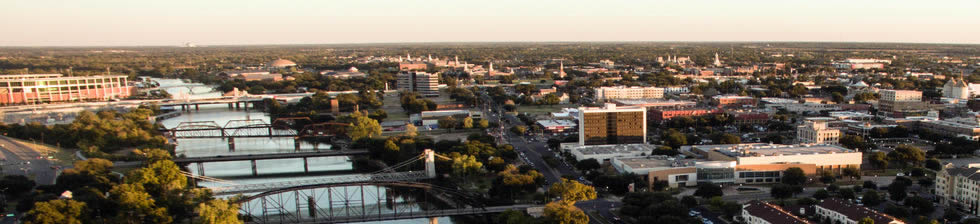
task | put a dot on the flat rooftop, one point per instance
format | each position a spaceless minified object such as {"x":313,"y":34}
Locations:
{"x":610,"y":149}
{"x":765,"y":149}
{"x":555,"y":123}
{"x":657,"y":161}
{"x":654,"y":102}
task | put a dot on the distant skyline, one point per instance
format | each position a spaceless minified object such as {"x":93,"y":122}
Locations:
{"x":254,"y":22}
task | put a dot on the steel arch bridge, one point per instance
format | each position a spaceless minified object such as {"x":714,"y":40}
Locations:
{"x":361,"y":202}
{"x":250,"y":128}
{"x":257,"y":128}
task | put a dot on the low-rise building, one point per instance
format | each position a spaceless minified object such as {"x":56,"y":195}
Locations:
{"x":815,"y":130}
{"x":959,"y":186}
{"x":731,"y":101}
{"x":604,"y":153}
{"x":623,"y":92}
{"x":836,"y":210}
{"x":430,"y":119}
{"x":557,"y":126}
{"x":412,"y":66}
{"x":745,"y":118}
{"x":46,"y":88}
{"x":952,"y":129}
{"x":677,"y":172}
{"x":668,"y":114}
{"x":755,"y":159}
{"x":760,"y":212}
{"x":655,"y":103}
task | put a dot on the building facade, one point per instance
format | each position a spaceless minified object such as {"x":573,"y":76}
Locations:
{"x":623,"y":92}
{"x":734,"y":101}
{"x":612,"y":125}
{"x":667,"y":114}
{"x":46,"y":88}
{"x":959,"y":186}
{"x":423,"y":83}
{"x":814,"y":130}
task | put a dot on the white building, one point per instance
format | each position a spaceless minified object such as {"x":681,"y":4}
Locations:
{"x":607,"y":64}
{"x":814,"y":130}
{"x":604,"y":153}
{"x":959,"y":185}
{"x":956,"y":89}
{"x":623,"y":92}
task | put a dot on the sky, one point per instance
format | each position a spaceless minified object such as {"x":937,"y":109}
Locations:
{"x":253,"y":22}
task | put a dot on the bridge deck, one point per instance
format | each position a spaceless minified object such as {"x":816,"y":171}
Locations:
{"x":380,"y":177}
{"x":413,"y":214}
{"x":268,"y":156}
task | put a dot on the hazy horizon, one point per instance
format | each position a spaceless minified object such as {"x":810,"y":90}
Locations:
{"x":57,"y":23}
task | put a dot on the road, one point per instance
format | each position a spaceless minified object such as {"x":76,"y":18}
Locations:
{"x":534,"y":150}
{"x":15,"y":157}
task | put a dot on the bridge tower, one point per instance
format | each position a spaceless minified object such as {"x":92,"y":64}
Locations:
{"x":430,"y":163}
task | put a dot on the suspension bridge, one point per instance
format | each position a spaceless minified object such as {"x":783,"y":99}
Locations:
{"x":378,"y":196}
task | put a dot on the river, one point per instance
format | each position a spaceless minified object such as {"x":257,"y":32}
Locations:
{"x":240,"y":172}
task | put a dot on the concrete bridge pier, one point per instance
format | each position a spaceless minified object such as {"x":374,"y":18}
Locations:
{"x":231,"y":106}
{"x":231,"y":144}
{"x":255,"y":169}
{"x":197,"y":107}
{"x":296,"y":143}
{"x":238,"y":106}
{"x":306,"y":165}
{"x":200,"y":169}
{"x":433,"y":220}
{"x":430,"y":163}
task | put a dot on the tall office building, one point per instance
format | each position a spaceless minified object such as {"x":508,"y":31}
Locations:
{"x":612,"y":125}
{"x":814,"y":130}
{"x":423,"y":83}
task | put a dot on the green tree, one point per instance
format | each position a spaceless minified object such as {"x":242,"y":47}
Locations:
{"x":550,"y":99}
{"x":871,"y":198}
{"x":561,"y":213}
{"x":513,"y":217}
{"x":14,"y":186}
{"x":465,"y":165}
{"x":782,"y":191}
{"x":467,"y":123}
{"x":794,"y":176}
{"x":587,"y":164}
{"x":821,"y":194}
{"x":907,"y":155}
{"x":674,"y":138}
{"x":866,"y":220}
{"x":61,"y":211}
{"x":152,"y":155}
{"x":410,"y":130}
{"x":137,"y":204}
{"x":448,"y":122}
{"x":158,"y":178}
{"x":571,"y":191}
{"x":729,"y":139}
{"x":379,"y":115}
{"x":361,"y":126}
{"x":897,"y":191}
{"x":878,"y":160}
{"x":708,"y":190}
{"x":934,"y":164}
{"x":519,"y":129}
{"x":851,"y":172}
{"x":218,"y":211}
{"x":484,"y":123}
{"x":853,"y":142}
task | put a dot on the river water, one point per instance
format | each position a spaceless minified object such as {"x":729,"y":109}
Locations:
{"x":240,"y":172}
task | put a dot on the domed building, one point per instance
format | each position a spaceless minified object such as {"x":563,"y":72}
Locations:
{"x":281,"y":63}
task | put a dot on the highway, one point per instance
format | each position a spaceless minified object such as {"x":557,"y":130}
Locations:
{"x":535,"y":150}
{"x":20,"y":159}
